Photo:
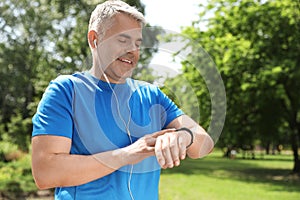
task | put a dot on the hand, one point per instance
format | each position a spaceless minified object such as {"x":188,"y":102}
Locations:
{"x":170,"y":148}
{"x":143,"y":147}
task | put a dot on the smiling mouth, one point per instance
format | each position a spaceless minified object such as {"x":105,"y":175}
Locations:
{"x":125,"y":60}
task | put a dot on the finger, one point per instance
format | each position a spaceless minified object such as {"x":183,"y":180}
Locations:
{"x":150,"y":151}
{"x":162,"y":132}
{"x":150,"y":141}
{"x":149,"y":145}
{"x":174,"y":148}
{"x":182,"y":148}
{"x":158,"y":152}
{"x":167,"y":153}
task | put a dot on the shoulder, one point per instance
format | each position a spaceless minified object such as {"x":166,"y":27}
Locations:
{"x":61,"y":86}
{"x":64,"y":82}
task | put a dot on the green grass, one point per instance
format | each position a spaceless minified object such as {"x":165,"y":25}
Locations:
{"x":217,"y":178}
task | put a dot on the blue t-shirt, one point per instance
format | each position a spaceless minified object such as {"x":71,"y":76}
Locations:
{"x":99,"y":117}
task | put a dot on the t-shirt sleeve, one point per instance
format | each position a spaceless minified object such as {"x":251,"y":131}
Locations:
{"x":171,"y":109}
{"x":54,"y":112}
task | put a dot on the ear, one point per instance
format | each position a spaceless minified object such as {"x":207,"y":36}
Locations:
{"x":92,"y":35}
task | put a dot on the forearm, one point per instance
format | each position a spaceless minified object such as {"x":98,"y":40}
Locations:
{"x":61,"y":169}
{"x":53,"y":166}
{"x":202,"y":144}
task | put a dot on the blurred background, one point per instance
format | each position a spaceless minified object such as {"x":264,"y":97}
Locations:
{"x":254,"y":44}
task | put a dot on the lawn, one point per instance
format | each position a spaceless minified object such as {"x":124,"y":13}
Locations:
{"x":217,"y":178}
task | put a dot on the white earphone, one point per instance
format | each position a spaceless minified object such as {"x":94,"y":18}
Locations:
{"x":95,"y":43}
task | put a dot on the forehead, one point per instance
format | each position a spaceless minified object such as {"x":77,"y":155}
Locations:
{"x":124,"y":24}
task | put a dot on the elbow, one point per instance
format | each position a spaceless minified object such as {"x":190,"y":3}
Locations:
{"x":40,"y":179}
{"x":42,"y":176}
{"x":40,"y":184}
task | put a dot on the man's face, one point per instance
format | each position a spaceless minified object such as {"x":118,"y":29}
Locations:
{"x":119,"y":49}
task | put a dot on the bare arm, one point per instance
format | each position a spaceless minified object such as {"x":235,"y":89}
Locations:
{"x":171,"y":147}
{"x":54,"y":166}
{"x":202,"y":145}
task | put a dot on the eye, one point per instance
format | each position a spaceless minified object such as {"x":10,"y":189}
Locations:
{"x":138,"y":44}
{"x":122,"y":40}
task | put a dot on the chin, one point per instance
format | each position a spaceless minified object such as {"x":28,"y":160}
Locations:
{"x":127,"y":74}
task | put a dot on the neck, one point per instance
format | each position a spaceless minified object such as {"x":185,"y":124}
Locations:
{"x":103,"y":77}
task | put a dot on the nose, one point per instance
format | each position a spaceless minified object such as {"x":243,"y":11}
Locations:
{"x":132,"y":47}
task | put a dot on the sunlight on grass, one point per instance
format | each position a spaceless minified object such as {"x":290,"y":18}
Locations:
{"x":217,"y":178}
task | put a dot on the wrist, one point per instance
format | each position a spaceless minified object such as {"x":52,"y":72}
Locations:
{"x":125,"y":156}
{"x":188,"y":131}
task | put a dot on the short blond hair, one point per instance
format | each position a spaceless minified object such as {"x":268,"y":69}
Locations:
{"x":102,"y":17}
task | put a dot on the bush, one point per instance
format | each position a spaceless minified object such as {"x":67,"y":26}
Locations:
{"x":16,"y":180}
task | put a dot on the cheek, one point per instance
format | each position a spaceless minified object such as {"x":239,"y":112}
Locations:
{"x":137,"y":54}
{"x":110,"y":54}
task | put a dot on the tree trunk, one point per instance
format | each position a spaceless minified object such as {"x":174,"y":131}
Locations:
{"x":268,"y":148}
{"x":297,"y":167}
{"x":295,"y":147}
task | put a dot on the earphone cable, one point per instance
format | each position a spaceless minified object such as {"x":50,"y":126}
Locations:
{"x":123,"y":120}
{"x":127,"y":130}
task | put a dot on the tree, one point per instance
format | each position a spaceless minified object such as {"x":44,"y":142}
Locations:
{"x":255,"y":46}
{"x":22,"y":61}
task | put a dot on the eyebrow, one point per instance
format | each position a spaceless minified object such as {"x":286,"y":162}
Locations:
{"x":129,"y":37}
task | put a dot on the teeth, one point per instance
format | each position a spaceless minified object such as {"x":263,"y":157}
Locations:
{"x":125,"y":60}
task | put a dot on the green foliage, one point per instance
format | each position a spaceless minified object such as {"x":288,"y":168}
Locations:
{"x":7,"y":147}
{"x":19,"y":132}
{"x":250,"y":46}
{"x":16,"y":179}
{"x":181,"y":91}
{"x":255,"y":46}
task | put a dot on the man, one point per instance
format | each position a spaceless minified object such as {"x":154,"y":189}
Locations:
{"x":102,"y":135}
